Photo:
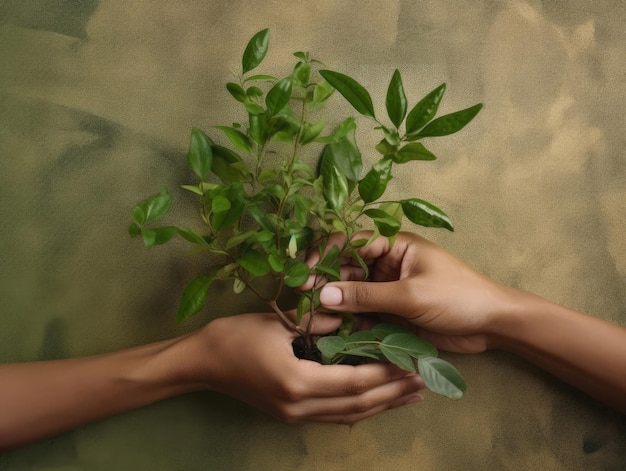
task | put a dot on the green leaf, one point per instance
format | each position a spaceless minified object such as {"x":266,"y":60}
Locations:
{"x":311,"y":130}
{"x":239,"y":238}
{"x":386,"y":224}
{"x":237,"y":138}
{"x":302,"y":73}
{"x":396,"y":100}
{"x":374,"y":184}
{"x":385,"y":148}
{"x":258,"y":127}
{"x":200,"y":155}
{"x":194,"y":297}
{"x":227,"y":205}
{"x":344,"y":153}
{"x":367,"y":351}
{"x":335,"y":188}
{"x":261,"y":218}
{"x":352,"y":91}
{"x":425,"y":214}
{"x":220,"y":204}
{"x":134,"y":230}
{"x":193,"y":188}
{"x":252,"y":107}
{"x":255,"y":262}
{"x":322,"y":92}
{"x":276,"y":262}
{"x":254,"y":92}
{"x":278,"y":97}
{"x":237,"y":92}
{"x":228,"y":166}
{"x":450,"y":123}
{"x":391,"y":136}
{"x":269,"y":78}
{"x":382,"y":330}
{"x":152,"y":208}
{"x":359,"y":337}
{"x":296,"y":274}
{"x":158,"y":235}
{"x":398,"y":357}
{"x":330,"y":345}
{"x":304,"y":307}
{"x":412,"y":151}
{"x":192,"y":236}
{"x":411,"y":344}
{"x":402,"y":349}
{"x":425,"y":110}
{"x":330,"y":264}
{"x":255,"y":50}
{"x":441,"y":377}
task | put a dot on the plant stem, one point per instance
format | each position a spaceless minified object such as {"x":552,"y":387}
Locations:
{"x":279,"y":312}
{"x":285,"y":320}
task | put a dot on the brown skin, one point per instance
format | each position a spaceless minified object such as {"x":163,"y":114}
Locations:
{"x":248,"y":357}
{"x":460,"y":310}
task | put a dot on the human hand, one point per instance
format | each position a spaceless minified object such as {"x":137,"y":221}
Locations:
{"x":250,"y":357}
{"x":450,"y":304}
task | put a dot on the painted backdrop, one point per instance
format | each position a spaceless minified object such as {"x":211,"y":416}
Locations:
{"x":97,"y":98}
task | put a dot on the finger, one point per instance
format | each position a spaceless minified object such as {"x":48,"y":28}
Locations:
{"x":352,"y":273}
{"x":349,"y":419}
{"x":317,"y":380}
{"x":349,"y":409}
{"x":356,"y":296}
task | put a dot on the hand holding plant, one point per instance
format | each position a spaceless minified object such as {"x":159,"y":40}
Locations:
{"x":263,"y":205}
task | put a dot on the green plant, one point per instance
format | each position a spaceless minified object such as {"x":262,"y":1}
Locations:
{"x":263,"y":205}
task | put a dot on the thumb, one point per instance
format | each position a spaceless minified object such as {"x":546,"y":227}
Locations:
{"x":363,"y":296}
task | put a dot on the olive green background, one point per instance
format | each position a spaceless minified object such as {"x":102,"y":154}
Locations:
{"x":96,"y":102}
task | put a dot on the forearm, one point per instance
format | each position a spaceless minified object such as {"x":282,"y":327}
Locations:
{"x":42,"y":399}
{"x":584,"y":351}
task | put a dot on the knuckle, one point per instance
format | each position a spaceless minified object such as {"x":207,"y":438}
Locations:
{"x":291,"y":392}
{"x":289,"y":413}
{"x":355,"y":386}
{"x":361,"y":295}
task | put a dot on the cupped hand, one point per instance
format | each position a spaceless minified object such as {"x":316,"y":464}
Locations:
{"x":449,"y":303}
{"x":250,"y":357}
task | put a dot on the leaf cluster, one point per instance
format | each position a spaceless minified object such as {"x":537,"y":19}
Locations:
{"x":401,"y":347}
{"x":264,"y":206}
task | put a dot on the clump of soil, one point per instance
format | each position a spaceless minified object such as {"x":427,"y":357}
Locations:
{"x":306,"y":352}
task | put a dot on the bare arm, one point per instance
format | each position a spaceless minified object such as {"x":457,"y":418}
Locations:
{"x":460,"y":310}
{"x":247,"y":356}
{"x":584,"y":351}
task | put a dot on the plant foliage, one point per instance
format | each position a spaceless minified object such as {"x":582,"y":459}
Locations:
{"x":262,"y":214}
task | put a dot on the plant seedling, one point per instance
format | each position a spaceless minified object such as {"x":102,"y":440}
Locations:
{"x":263,"y":206}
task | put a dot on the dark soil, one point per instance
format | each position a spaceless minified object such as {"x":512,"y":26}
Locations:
{"x":304,"y":352}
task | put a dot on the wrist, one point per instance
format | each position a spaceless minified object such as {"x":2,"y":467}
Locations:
{"x":173,"y":367}
{"x":514,"y":316}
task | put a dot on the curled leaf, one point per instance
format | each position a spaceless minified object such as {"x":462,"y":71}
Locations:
{"x":425,"y":214}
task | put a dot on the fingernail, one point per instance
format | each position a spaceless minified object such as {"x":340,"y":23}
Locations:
{"x":331,"y":296}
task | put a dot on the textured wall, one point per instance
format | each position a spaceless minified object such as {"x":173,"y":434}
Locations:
{"x":96,"y":102}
